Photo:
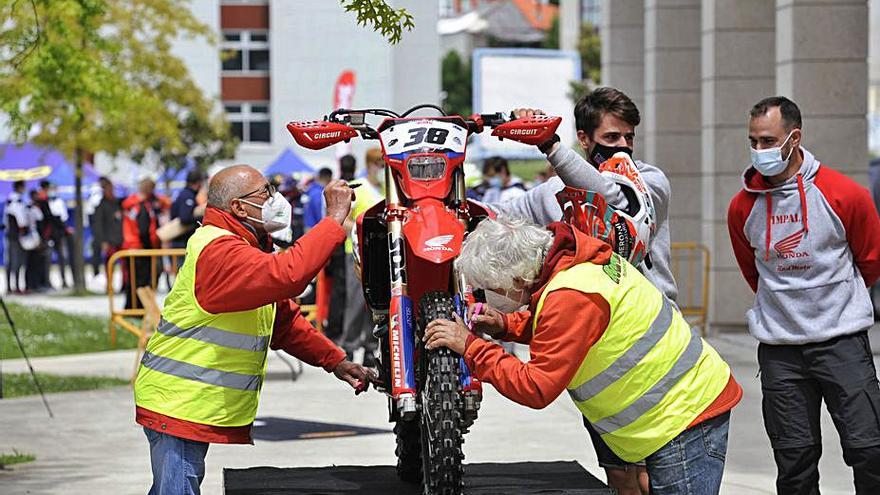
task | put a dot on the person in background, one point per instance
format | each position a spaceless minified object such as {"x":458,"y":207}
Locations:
{"x":107,"y":222}
{"x":292,"y":190}
{"x":313,"y":202}
{"x":184,"y":208}
{"x":55,"y":214}
{"x":34,"y":242}
{"x":807,"y":241}
{"x":140,"y":220}
{"x":336,"y":268}
{"x":15,"y":222}
{"x":502,"y":185}
{"x":89,"y":205}
{"x":357,"y":330}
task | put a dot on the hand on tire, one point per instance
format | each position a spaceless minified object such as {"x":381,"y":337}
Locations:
{"x":444,"y":333}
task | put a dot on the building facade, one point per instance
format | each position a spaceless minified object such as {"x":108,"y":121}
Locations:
{"x":695,"y":68}
{"x":278,"y":61}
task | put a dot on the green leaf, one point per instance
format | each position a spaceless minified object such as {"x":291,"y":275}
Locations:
{"x":381,"y":17}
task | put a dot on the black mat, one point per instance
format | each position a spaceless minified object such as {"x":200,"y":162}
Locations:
{"x":279,"y":429}
{"x":523,"y":478}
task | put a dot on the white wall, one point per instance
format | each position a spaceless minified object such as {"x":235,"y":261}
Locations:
{"x":313,"y":41}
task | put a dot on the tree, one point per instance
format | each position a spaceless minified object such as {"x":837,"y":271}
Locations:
{"x":85,"y":76}
{"x":456,"y":82}
{"x":383,"y":18}
{"x":205,"y":138}
{"x":590,"y":50}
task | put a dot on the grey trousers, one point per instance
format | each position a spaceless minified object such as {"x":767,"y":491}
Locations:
{"x":357,"y":327}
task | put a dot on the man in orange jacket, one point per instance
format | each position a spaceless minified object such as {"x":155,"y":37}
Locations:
{"x":599,"y":329}
{"x":140,"y":219}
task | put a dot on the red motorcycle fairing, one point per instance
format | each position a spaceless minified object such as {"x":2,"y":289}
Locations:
{"x":532,"y":130}
{"x":433,"y":232}
{"x":316,"y":135}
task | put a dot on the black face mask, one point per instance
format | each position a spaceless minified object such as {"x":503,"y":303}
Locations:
{"x":600,"y":153}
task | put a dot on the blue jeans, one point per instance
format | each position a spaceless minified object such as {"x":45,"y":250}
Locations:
{"x":691,"y":463}
{"x":178,"y":464}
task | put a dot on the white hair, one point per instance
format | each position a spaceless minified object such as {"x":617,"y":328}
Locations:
{"x":505,"y":254}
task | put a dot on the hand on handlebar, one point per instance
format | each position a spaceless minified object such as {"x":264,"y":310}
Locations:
{"x":527,"y":112}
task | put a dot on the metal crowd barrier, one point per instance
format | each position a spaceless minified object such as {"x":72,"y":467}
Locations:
{"x":120,"y":317}
{"x":690,"y":266}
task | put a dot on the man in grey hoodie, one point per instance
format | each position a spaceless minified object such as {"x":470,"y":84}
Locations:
{"x":807,"y":240}
{"x":605,"y":120}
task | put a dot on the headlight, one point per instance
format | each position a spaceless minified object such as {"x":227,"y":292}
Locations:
{"x":426,"y":167}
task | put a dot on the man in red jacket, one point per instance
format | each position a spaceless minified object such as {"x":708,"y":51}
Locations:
{"x":807,"y":240}
{"x":601,"y":331}
{"x":140,"y":219}
{"x":200,"y":379}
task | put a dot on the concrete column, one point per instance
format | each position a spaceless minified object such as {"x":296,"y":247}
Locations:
{"x":569,"y":24}
{"x":739,"y":68}
{"x":671,"y":127}
{"x":821,"y":64}
{"x":623,"y":56}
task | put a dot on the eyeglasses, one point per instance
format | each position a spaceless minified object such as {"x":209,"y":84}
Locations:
{"x":268,"y":189}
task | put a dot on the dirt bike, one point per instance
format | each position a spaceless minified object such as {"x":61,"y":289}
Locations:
{"x":406,"y":245}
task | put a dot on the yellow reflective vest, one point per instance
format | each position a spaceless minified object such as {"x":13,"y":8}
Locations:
{"x":650,"y":375}
{"x":203,"y":367}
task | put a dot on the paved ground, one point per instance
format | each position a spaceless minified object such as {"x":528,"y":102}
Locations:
{"x":93,"y":446}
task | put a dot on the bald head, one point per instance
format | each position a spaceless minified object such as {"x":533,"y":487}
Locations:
{"x":233,"y":182}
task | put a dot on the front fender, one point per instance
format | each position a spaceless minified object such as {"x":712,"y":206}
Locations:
{"x":433,"y":232}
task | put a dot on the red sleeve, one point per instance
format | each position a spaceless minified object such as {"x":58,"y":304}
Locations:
{"x":518,"y":326}
{"x":557,"y":348}
{"x":853,"y":205}
{"x":740,"y":207}
{"x":296,"y":336}
{"x":232,"y":275}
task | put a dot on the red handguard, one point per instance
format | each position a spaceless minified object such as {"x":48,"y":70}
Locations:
{"x":319,"y":134}
{"x":532,"y":130}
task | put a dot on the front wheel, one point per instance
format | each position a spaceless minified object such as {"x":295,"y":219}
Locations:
{"x":441,"y":419}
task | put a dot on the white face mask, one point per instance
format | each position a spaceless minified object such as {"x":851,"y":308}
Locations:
{"x":769,"y":162}
{"x":509,"y":302}
{"x":276,"y":213}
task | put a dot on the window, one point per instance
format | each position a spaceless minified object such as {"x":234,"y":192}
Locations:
{"x":591,"y":11}
{"x":246,"y":51}
{"x":249,"y":121}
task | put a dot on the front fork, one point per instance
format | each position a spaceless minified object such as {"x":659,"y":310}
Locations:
{"x":401,"y":325}
{"x":472,"y":389}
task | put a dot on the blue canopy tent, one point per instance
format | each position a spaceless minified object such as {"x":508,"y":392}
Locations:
{"x":33,"y":164}
{"x":287,"y":164}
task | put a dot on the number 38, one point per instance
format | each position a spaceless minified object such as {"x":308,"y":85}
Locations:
{"x":431,"y":135}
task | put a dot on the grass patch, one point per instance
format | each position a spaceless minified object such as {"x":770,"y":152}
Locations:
{"x":21,"y":384}
{"x":48,"y":332}
{"x":15,"y":457}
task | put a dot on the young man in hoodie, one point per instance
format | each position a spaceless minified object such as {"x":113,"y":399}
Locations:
{"x":605,"y":120}
{"x":807,"y":240}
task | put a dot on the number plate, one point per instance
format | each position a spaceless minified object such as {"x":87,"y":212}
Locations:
{"x":424,"y":135}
